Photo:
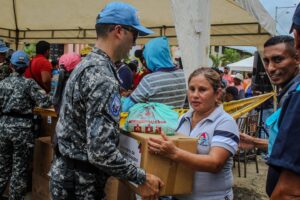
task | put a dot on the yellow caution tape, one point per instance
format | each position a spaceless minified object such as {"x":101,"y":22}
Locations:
{"x":234,"y":108}
{"x":248,"y":107}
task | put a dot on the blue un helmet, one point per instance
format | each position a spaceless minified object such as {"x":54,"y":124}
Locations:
{"x":123,"y":14}
{"x":19,"y":59}
{"x":3,"y":47}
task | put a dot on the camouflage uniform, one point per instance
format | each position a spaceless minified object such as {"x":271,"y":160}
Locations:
{"x":4,"y":71}
{"x":87,"y":131}
{"x":18,"y":96}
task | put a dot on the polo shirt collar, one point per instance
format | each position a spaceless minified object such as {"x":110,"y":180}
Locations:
{"x":212,"y":117}
{"x":283,"y":93}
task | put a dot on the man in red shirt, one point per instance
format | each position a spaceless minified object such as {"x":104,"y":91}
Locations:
{"x":227,"y":76}
{"x":40,"y":68}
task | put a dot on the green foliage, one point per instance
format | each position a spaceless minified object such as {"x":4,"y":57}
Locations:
{"x":216,"y":59}
{"x":230,"y":56}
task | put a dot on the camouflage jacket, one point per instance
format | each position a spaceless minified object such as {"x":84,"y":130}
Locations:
{"x":19,"y":95}
{"x":88,"y":124}
{"x":4,"y":71}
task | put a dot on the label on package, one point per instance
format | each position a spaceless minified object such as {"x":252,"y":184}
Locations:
{"x":130,"y":149}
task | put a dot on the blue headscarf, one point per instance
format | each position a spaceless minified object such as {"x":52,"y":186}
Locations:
{"x":157,"y":54}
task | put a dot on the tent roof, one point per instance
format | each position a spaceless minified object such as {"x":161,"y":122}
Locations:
{"x":72,"y":21}
{"x":245,"y":65}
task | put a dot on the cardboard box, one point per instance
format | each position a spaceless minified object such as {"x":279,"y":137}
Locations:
{"x":42,"y":158}
{"x":178,"y":178}
{"x":40,"y":187}
{"x":117,"y":190}
{"x":48,"y":125}
{"x":49,"y":120}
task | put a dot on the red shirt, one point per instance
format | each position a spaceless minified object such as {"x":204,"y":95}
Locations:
{"x":138,"y":77}
{"x":38,"y":64}
{"x":228,"y":78}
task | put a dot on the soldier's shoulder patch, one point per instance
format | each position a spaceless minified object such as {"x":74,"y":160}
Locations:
{"x":115,"y":105}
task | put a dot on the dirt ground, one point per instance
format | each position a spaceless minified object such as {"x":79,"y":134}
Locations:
{"x":253,"y":186}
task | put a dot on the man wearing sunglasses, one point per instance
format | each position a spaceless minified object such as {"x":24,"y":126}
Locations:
{"x":88,"y":125}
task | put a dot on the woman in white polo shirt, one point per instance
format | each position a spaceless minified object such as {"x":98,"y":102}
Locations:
{"x":217,"y":134}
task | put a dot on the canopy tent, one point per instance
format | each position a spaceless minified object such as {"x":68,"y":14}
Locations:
{"x":233,"y":22}
{"x":245,"y":65}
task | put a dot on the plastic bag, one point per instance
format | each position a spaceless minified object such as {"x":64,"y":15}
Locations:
{"x":151,"y":118}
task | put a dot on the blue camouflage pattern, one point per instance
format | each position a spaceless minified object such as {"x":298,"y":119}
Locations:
{"x":19,"y":96}
{"x":4,"y":71}
{"x":88,"y":130}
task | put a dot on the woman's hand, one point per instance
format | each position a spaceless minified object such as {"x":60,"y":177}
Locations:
{"x":164,"y":147}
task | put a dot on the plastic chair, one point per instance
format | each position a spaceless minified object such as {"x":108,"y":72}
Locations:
{"x":248,"y":125}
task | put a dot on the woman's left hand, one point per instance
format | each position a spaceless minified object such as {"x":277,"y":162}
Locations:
{"x":164,"y":147}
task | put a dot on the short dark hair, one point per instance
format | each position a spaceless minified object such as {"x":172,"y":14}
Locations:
{"x":233,"y":91}
{"x":102,"y":30}
{"x":133,"y":65}
{"x":21,"y":70}
{"x":42,"y":47}
{"x":286,"y":39}
{"x":249,"y":74}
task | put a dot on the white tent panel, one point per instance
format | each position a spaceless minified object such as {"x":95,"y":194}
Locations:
{"x":66,"y":21}
{"x":245,"y":65}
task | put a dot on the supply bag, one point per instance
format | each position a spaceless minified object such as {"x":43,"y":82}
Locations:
{"x":151,"y":118}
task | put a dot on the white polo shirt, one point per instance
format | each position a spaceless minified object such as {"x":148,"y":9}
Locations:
{"x":219,"y":129}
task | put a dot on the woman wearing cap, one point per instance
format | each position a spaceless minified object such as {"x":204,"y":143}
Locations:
{"x":67,"y":63}
{"x":18,"y":97}
{"x":217,"y":134}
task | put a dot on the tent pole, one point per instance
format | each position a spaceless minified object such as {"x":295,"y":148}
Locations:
{"x":192,"y":24}
{"x":16,"y":23}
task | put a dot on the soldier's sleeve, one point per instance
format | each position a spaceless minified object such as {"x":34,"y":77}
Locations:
{"x":38,"y":95}
{"x":102,"y":121}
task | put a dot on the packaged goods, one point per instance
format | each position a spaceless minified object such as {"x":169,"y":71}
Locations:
{"x":151,"y":118}
{"x":178,"y":178}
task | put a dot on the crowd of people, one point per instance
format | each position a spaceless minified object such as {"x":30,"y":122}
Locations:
{"x":92,"y":91}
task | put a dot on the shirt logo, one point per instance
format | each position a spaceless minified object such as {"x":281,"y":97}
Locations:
{"x":115,"y":105}
{"x":203,"y":139}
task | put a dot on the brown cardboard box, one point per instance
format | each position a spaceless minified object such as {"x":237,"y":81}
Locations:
{"x":48,"y":125}
{"x":40,"y":187}
{"x":49,"y":119}
{"x":177,"y":177}
{"x":117,"y":190}
{"x":43,"y":155}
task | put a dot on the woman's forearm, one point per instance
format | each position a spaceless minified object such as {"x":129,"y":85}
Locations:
{"x":213,"y":162}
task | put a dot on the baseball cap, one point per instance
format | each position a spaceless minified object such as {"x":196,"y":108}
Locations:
{"x":296,"y":19}
{"x":69,"y":60}
{"x":3,"y":47}
{"x":239,"y":76}
{"x":19,"y":59}
{"x":123,"y":14}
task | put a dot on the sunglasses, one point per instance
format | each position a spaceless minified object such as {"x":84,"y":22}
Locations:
{"x":134,"y":32}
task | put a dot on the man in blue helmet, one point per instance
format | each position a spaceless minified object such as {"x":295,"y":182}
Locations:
{"x":18,"y":97}
{"x":4,"y":67}
{"x":88,"y":126}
